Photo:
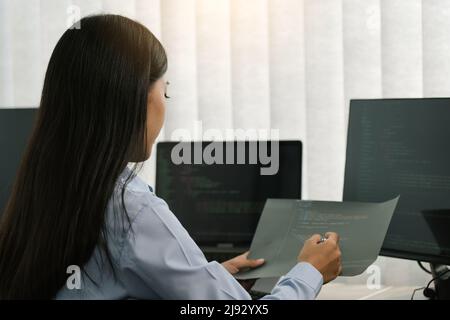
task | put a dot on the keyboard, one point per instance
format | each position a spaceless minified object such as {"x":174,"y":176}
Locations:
{"x":256,"y":295}
{"x":220,"y":256}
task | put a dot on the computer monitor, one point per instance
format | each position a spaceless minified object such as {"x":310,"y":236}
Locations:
{"x":222,"y":203}
{"x":402,"y":147}
{"x":15,"y":129}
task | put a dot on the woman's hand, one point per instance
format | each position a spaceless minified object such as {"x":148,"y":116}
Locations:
{"x":325,"y":256}
{"x":241,"y":262}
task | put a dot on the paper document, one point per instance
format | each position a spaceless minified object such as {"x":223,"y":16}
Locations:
{"x":285,"y":224}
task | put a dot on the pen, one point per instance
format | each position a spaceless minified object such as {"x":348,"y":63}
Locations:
{"x":322,"y":239}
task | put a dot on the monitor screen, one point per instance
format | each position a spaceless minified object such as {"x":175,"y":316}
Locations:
{"x":15,"y":129}
{"x":221,"y":203}
{"x":401,"y":147}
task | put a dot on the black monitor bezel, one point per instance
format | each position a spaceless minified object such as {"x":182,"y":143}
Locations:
{"x":159,"y":144}
{"x":390,"y":252}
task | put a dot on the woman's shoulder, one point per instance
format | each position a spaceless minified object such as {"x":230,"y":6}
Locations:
{"x":133,"y":197}
{"x":149,"y":221}
{"x":132,"y":201}
{"x":133,"y":194}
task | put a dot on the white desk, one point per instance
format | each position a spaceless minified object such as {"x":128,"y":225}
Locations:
{"x":344,"y":291}
{"x":341,"y":291}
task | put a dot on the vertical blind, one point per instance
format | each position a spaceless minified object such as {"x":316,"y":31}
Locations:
{"x":290,"y":65}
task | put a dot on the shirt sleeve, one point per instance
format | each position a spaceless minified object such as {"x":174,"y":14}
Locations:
{"x":302,"y":282}
{"x":160,"y":259}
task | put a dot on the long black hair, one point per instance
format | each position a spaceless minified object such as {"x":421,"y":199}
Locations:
{"x":91,"y":123}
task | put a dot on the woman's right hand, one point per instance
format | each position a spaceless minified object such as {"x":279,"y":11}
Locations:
{"x":324,"y":256}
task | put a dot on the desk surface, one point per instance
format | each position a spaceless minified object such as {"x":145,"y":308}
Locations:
{"x":341,"y":291}
{"x":344,"y":291}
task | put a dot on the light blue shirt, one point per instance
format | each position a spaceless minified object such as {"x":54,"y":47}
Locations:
{"x":158,"y":259}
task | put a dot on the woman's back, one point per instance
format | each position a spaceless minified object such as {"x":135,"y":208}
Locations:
{"x":154,"y":259}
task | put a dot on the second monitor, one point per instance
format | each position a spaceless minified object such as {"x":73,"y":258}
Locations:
{"x":220,"y":203}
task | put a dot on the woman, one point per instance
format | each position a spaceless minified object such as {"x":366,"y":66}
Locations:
{"x":75,"y":202}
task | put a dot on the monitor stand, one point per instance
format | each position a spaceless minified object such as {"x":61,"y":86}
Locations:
{"x":442,"y":284}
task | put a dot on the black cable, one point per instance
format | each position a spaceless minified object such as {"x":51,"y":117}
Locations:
{"x":423,"y":268}
{"x":437,"y":277}
{"x":429,"y":283}
{"x":414,"y":292}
